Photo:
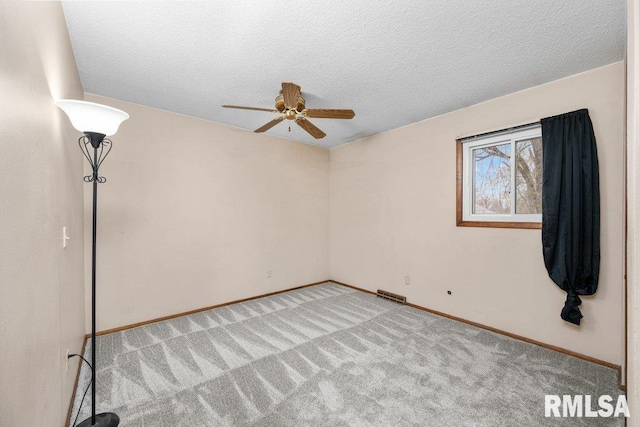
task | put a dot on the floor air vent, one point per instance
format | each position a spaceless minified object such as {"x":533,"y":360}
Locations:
{"x":392,"y":297}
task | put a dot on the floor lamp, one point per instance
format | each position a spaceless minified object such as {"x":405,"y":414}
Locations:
{"x":96,"y":122}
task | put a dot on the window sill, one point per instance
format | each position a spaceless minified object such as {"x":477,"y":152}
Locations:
{"x":496,"y":224}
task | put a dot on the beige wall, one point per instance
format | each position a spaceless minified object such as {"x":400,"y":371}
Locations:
{"x":195,"y":213}
{"x":393,"y":214}
{"x":41,"y":284}
{"x":633,"y":203}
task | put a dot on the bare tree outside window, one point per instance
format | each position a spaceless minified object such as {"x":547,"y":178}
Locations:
{"x":529,"y":176}
{"x":492,"y":180}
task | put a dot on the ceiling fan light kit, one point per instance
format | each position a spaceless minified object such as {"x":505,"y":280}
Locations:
{"x":291,"y":106}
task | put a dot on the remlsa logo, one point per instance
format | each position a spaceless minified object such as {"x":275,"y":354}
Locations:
{"x":581,"y":406}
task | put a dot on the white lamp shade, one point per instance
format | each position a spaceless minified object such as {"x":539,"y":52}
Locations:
{"x":91,"y":117}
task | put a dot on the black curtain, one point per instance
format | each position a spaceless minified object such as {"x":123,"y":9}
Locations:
{"x":571,"y":207}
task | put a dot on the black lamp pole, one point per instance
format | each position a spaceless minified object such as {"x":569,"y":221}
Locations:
{"x":101,"y":147}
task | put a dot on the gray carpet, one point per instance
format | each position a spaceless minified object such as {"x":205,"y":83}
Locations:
{"x":328,"y":355}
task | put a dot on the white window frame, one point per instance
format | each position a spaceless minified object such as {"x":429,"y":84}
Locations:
{"x":499,"y":138}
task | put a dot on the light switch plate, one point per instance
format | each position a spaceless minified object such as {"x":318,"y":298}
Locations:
{"x":65,"y":237}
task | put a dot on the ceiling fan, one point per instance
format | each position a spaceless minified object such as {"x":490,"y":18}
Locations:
{"x":290,"y":106}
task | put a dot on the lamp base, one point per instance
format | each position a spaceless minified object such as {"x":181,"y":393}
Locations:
{"x":106,"y":419}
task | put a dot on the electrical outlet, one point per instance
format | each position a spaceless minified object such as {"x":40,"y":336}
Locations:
{"x":268,"y":274}
{"x":407,"y":280}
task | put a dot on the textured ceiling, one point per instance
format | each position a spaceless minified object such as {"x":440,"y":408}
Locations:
{"x":393,"y":62}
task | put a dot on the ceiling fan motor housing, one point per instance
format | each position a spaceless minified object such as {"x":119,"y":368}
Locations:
{"x":280,"y":105}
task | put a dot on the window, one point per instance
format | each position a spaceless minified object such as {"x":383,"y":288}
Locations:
{"x":499,"y":179}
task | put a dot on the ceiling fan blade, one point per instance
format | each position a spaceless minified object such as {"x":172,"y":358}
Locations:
{"x":330,"y":113}
{"x":271,"y":124}
{"x":310,"y":127}
{"x":290,"y":94}
{"x":239,"y":107}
